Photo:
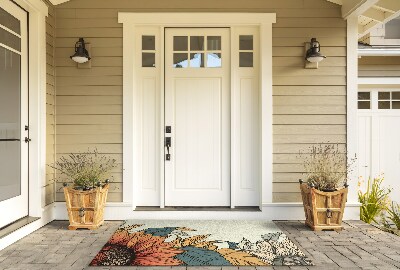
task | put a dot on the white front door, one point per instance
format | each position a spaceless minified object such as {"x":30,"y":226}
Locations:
{"x":13,"y":113}
{"x":379,"y":133}
{"x":197,"y":110}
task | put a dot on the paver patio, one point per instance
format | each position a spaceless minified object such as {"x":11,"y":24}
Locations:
{"x":358,"y":246}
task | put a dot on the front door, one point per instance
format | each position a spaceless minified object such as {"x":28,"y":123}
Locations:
{"x":197,"y":117}
{"x":378,"y":137}
{"x":13,"y":113}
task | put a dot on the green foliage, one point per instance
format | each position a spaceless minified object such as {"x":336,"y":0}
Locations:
{"x":85,"y":169}
{"x":393,"y":214}
{"x":326,"y":167}
{"x":374,"y":200}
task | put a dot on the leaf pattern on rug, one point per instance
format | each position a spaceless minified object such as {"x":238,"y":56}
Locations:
{"x":199,"y":256}
{"x":238,"y":257}
{"x":172,"y":246}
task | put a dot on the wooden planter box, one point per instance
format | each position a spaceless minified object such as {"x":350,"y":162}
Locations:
{"x":86,"y":208}
{"x":323,"y":210}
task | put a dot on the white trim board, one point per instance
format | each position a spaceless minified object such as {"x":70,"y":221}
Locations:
{"x":270,"y":211}
{"x":379,"y":52}
{"x":352,"y":89}
{"x":378,"y":80}
{"x":131,"y":115}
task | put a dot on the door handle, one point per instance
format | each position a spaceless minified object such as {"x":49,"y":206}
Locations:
{"x":168,"y":145}
{"x":10,"y":140}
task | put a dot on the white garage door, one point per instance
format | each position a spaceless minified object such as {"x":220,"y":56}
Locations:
{"x":379,"y":136}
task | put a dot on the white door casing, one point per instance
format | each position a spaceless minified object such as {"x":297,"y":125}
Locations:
{"x":197,"y":107}
{"x":246,"y":82}
{"x":16,"y":207}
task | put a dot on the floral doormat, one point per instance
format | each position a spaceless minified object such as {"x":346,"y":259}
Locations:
{"x":199,"y":243}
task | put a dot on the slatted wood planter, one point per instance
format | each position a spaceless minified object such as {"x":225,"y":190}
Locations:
{"x":323,"y":210}
{"x":86,"y":208}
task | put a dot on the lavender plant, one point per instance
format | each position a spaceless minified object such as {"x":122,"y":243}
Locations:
{"x":85,"y":169}
{"x":326,"y":167}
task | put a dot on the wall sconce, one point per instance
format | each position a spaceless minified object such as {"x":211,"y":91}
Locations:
{"x":313,"y":55}
{"x":81,"y":54}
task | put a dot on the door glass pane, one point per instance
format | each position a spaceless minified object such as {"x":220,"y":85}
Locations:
{"x":148,"y":59}
{"x":364,"y":105}
{"x":396,"y":105}
{"x":10,"y":123}
{"x":148,"y":43}
{"x":10,"y":40}
{"x":196,"y":43}
{"x":383,"y":105}
{"x":245,"y":59}
{"x":364,"y":95}
{"x":9,"y":21}
{"x":384,"y":95}
{"x":180,"y":43}
{"x":396,"y":95}
{"x":245,"y":42}
{"x":214,"y":43}
{"x":197,"y":60}
{"x":180,"y":60}
{"x":214,"y":60}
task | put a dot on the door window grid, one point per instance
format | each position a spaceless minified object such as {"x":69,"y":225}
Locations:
{"x":389,"y":100}
{"x":197,"y":52}
{"x":246,"y":50}
{"x":148,"y":51}
{"x":378,"y":100}
{"x":364,"y":100}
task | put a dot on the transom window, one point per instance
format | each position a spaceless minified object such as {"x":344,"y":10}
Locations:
{"x":197,"y":52}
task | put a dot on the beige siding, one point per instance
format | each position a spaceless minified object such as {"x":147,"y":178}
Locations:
{"x":49,"y":187}
{"x":379,"y":66}
{"x":309,"y":104}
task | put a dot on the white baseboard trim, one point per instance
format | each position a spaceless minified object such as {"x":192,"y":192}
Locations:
{"x":270,"y":211}
{"x":47,"y":216}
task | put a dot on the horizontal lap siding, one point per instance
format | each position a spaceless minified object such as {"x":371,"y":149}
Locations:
{"x":379,"y":66}
{"x":49,"y":187}
{"x":309,"y":104}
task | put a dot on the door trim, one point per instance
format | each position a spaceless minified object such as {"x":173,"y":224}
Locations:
{"x":37,"y":12}
{"x":132,"y":126}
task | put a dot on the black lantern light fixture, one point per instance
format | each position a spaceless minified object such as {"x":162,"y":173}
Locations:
{"x":313,"y":54}
{"x":81,"y":54}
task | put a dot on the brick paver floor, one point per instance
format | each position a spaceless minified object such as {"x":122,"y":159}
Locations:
{"x":358,"y":246}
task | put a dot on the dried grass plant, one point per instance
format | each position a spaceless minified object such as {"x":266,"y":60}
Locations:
{"x":326,"y":167}
{"x":85,"y":169}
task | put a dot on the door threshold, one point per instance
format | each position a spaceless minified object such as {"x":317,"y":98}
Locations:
{"x":9,"y":229}
{"x":201,"y":208}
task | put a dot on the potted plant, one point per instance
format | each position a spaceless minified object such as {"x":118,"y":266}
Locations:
{"x":324,"y":192}
{"x":87,"y":196}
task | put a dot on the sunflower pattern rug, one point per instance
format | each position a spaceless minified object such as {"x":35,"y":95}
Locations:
{"x":199,"y":243}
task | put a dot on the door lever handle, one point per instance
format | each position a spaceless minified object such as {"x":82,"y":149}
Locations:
{"x":168,"y":145}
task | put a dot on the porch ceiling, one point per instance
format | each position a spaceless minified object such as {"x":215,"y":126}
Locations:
{"x":371,"y":13}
